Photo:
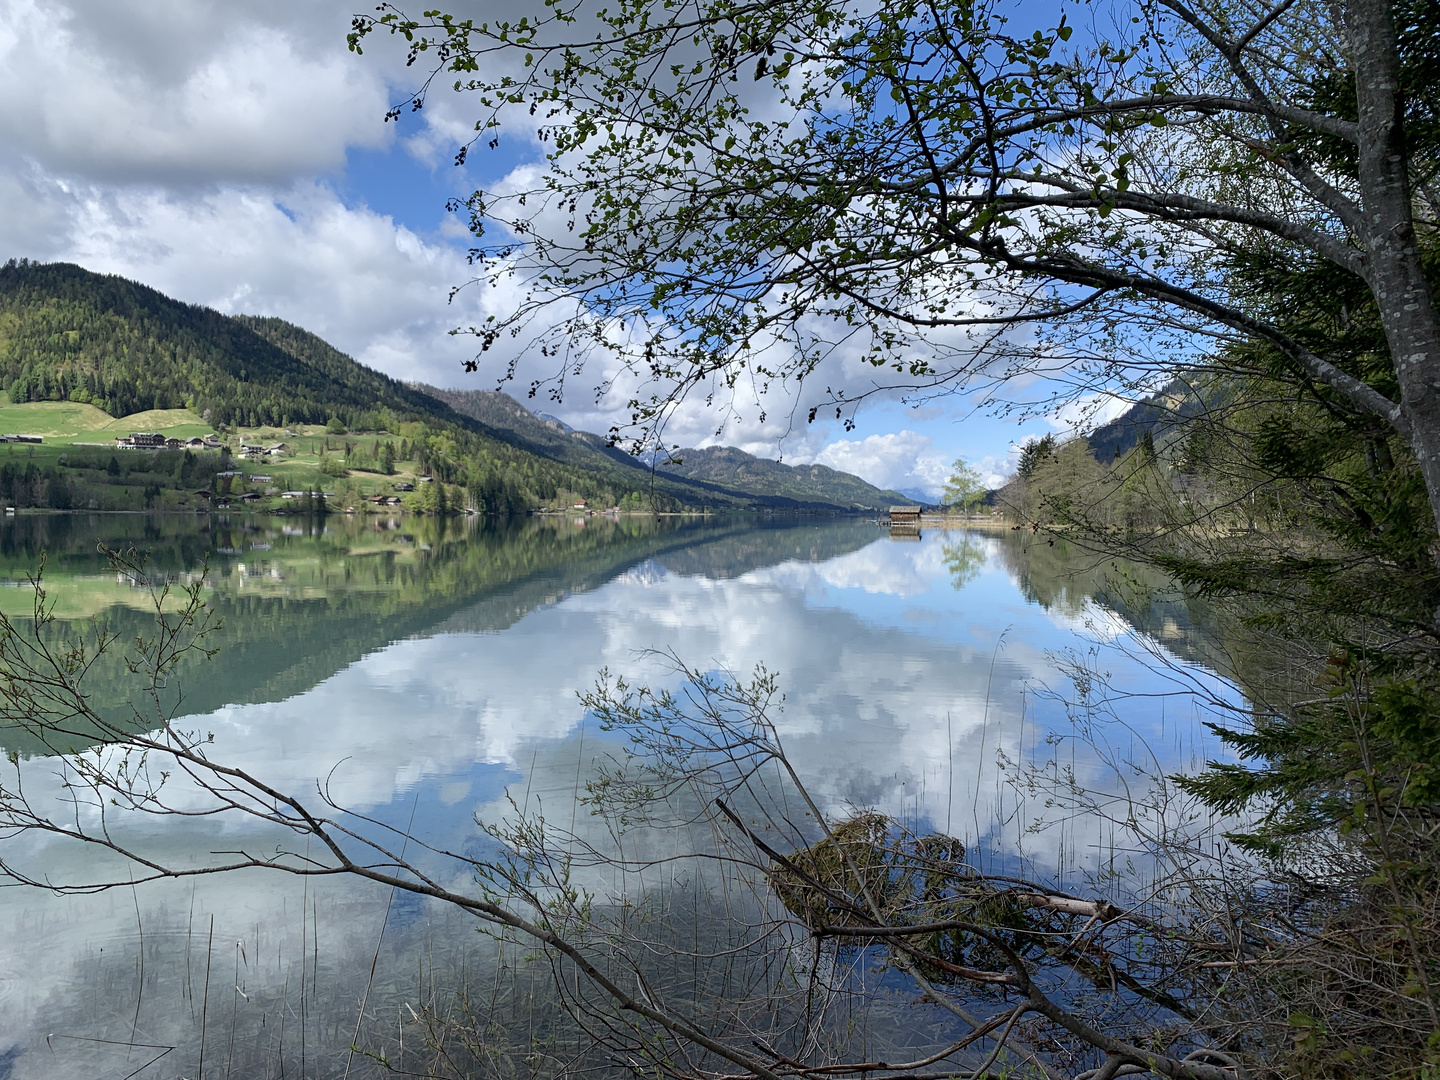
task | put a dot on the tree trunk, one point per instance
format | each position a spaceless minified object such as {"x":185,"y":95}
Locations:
{"x":1407,"y":309}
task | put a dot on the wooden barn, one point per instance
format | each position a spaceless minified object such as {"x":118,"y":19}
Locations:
{"x":905,"y":523}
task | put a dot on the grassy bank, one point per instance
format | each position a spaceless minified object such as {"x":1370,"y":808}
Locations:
{"x":77,"y":464}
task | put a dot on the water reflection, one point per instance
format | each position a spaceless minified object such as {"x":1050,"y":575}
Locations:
{"x":301,"y":600}
{"x":430,"y":671}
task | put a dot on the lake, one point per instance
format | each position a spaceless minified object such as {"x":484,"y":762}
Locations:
{"x":428,"y":672}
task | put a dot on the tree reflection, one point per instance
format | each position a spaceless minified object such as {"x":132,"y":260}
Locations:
{"x":964,"y":558}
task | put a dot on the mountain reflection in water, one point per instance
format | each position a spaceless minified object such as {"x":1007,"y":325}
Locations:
{"x":427,"y":668}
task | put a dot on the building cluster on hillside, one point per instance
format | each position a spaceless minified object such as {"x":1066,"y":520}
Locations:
{"x":150,"y":440}
{"x":255,"y":450}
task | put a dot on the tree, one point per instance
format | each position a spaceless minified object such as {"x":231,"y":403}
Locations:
{"x":1033,"y":453}
{"x":332,"y":466}
{"x":1305,"y":531}
{"x":918,"y":181}
{"x":965,"y":488}
{"x":964,"y":559}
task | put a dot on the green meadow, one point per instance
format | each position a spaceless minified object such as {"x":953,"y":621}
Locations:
{"x":78,"y":467}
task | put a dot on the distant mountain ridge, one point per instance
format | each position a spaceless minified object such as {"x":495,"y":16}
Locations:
{"x":736,"y":469}
{"x":719,"y":468}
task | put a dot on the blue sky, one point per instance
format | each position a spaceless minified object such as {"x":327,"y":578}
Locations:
{"x":234,"y":154}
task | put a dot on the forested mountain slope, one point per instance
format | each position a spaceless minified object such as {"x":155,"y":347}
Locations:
{"x":69,"y":334}
{"x":1163,"y":416}
{"x":549,"y":438}
{"x":734,"y":468}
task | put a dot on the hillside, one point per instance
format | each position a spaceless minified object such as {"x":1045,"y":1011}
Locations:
{"x":549,"y":438}
{"x":738,"y":470}
{"x":720,"y":469}
{"x":69,"y":334}
{"x":80,"y":349}
{"x":1162,"y":416}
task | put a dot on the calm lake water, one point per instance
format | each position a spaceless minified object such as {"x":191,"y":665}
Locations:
{"x":431,"y":671}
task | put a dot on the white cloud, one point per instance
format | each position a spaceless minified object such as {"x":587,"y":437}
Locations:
{"x":1087,"y":412}
{"x":904,"y":459}
{"x":182,"y":145}
{"x":995,"y":469}
{"x":188,"y":145}
{"x":369,"y":286}
{"x":184,"y":92}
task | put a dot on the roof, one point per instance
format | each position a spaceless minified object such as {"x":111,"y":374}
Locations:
{"x":904,"y":510}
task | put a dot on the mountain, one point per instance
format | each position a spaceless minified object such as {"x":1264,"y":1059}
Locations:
{"x":735,"y":469}
{"x":915,"y":495}
{"x":545,"y":436}
{"x":1162,"y":416}
{"x":720,"y":469}
{"x":68,"y":334}
{"x":556,"y":421}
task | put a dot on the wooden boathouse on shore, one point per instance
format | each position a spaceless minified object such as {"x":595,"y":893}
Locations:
{"x":905,"y":523}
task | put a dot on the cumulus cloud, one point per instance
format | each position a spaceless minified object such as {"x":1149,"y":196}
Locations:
{"x":902,"y":460}
{"x":369,"y":286}
{"x":125,"y":90}
{"x":995,"y":469}
{"x":198,"y":147}
{"x":184,"y":145}
{"x":193,"y":146}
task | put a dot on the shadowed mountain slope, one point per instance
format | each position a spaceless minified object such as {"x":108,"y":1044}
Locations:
{"x":718,"y":468}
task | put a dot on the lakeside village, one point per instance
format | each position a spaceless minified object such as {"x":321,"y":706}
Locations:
{"x":237,"y":488}
{"x":232,"y":487}
{"x":302,"y":470}
{"x":310,"y":470}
